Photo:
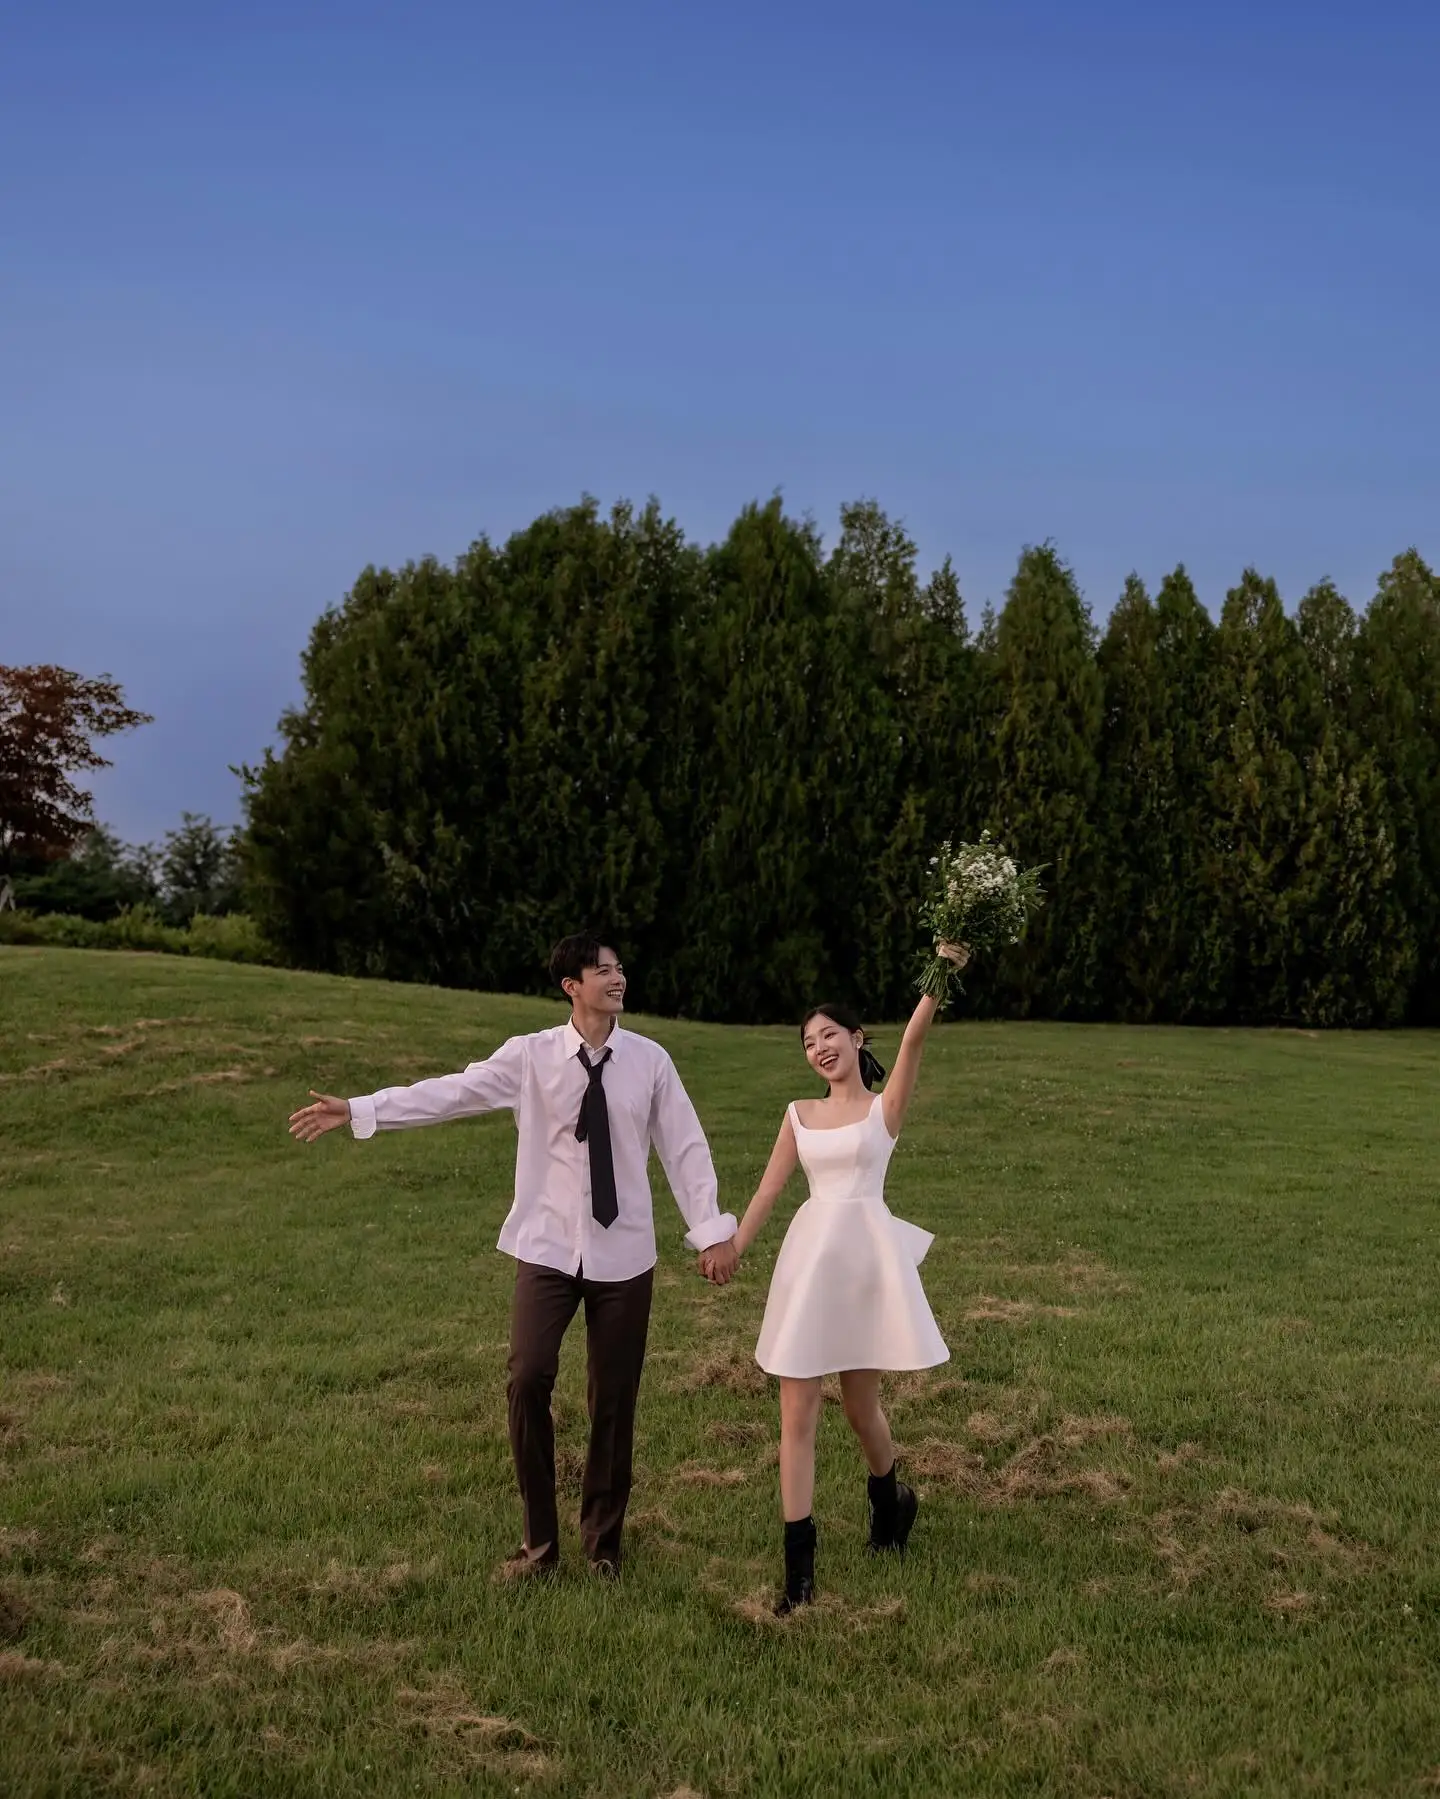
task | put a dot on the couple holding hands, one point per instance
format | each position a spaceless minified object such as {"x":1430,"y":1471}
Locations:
{"x":590,"y":1099}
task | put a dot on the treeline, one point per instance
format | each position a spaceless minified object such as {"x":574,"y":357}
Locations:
{"x":195,"y":871}
{"x":737,"y":760}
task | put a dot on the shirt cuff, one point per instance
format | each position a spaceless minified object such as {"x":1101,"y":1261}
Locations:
{"x":713,"y":1231}
{"x":362,"y":1116}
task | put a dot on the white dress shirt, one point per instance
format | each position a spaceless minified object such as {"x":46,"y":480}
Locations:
{"x":542,"y":1081}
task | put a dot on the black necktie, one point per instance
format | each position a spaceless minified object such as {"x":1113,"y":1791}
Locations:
{"x":593,"y":1126}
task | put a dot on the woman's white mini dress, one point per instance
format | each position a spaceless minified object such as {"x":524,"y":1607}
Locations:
{"x":846,"y":1290}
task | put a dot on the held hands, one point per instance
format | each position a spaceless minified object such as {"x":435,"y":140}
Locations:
{"x":719,"y":1262}
{"x":326,"y":1114}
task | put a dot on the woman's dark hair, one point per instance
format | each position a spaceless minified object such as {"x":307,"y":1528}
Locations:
{"x":571,"y":956}
{"x":848,"y":1020}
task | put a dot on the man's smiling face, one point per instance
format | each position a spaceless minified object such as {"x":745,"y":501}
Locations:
{"x":601,"y":988}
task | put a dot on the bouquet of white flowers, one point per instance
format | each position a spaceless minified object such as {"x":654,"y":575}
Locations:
{"x":975,"y":895}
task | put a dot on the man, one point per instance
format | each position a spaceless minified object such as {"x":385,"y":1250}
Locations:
{"x":589,"y":1101}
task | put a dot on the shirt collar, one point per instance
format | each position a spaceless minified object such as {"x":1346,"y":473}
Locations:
{"x":574,"y":1042}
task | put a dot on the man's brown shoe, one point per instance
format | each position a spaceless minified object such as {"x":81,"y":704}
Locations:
{"x":521,"y":1565}
{"x":605,"y":1567}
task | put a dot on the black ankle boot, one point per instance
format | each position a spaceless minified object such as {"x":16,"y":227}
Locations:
{"x":893,"y":1506}
{"x":799,"y":1566}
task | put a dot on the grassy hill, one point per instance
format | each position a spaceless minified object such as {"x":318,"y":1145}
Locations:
{"x":1178,"y":1476}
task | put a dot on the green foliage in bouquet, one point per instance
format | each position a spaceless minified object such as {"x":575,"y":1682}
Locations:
{"x":974,"y":895}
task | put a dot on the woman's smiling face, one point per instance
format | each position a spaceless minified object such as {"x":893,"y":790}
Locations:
{"x":830,"y":1049}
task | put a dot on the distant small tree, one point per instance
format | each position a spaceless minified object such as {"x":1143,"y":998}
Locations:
{"x":99,"y":879}
{"x":199,"y":869}
{"x":50,"y":719}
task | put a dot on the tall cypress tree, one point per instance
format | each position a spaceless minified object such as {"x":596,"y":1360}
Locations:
{"x":755,"y":944}
{"x":679,"y":727}
{"x":873,"y":602}
{"x":442,"y":702}
{"x":1196,"y":986}
{"x":1266,"y":719}
{"x":584,"y":771}
{"x":1138,"y":817}
{"x":943,"y":725}
{"x":356,"y":847}
{"x":1397,"y":699}
{"x":1049,"y":696}
{"x":898,"y":726}
{"x":1355,"y":958}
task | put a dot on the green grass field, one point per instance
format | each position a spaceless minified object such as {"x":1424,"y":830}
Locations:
{"x":1179,"y":1524}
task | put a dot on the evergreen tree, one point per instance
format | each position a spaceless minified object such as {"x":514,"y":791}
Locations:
{"x":1267,"y":723}
{"x":1049,"y":695}
{"x":897,"y":727}
{"x":1397,"y":706}
{"x":199,"y":870}
{"x":585,"y":823}
{"x":1157,"y":897}
{"x":1357,"y":951}
{"x":681,"y":727}
{"x":101,"y":878}
{"x":1191,"y":983}
{"x":361,"y":851}
{"x":1136,"y":815}
{"x":755,"y":941}
{"x":943,"y":725}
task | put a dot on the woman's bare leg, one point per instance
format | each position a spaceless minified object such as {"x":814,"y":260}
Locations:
{"x":799,"y":1415}
{"x":860,"y":1388}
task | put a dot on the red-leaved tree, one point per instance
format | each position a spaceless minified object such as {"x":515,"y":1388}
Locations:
{"x":50,"y":721}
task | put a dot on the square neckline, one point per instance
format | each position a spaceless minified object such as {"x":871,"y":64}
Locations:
{"x":824,"y":1130}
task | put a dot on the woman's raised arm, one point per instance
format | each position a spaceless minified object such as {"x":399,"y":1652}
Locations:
{"x":895,"y":1102}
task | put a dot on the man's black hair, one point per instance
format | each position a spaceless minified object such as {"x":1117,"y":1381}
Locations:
{"x":571,"y":956}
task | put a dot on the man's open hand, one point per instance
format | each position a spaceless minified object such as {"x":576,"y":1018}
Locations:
{"x":326,"y":1114}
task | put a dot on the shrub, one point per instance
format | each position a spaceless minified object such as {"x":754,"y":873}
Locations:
{"x":228,"y":937}
{"x":233,"y":938}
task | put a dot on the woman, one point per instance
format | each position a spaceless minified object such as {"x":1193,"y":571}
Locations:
{"x":845,"y":1297}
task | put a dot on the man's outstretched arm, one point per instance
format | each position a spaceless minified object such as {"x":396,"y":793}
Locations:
{"x":489,"y":1086}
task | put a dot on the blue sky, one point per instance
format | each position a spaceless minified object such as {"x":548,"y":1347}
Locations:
{"x":289,"y":289}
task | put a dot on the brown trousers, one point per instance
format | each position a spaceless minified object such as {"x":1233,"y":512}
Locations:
{"x":617,"y":1319}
